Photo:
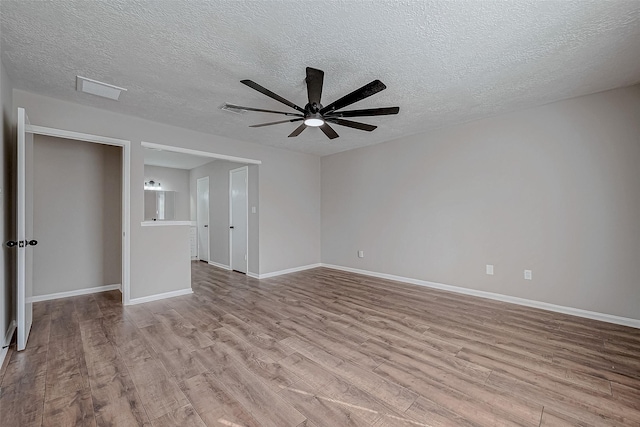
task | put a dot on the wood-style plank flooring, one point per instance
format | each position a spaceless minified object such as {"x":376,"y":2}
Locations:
{"x":317,"y":348}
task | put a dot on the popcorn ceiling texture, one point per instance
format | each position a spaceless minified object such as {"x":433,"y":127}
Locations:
{"x":443,"y":62}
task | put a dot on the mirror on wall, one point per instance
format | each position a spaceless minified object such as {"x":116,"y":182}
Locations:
{"x":159,"y":205}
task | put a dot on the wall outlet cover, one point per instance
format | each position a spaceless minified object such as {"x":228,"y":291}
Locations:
{"x":528,"y":275}
{"x":490,"y":269}
{"x":360,"y":254}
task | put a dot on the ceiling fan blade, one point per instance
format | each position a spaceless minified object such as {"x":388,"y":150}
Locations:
{"x":368,"y":112}
{"x":276,"y":123}
{"x":352,"y":124}
{"x":328,"y":130}
{"x":265,"y":91}
{"x":314,"y":85}
{"x":239,"y":107}
{"x":298,"y":130}
{"x":355,"y":96}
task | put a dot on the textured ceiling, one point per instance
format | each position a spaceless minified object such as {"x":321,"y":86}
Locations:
{"x":443,"y":62}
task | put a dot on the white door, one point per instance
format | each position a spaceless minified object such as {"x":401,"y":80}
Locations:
{"x":239,"y":219}
{"x":24,"y":225}
{"x":202,"y":218}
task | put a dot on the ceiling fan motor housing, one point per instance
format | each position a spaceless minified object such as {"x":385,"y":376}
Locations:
{"x":313,"y":107}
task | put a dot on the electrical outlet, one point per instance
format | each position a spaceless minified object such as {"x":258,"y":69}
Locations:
{"x":490,"y":269}
{"x":527,"y":275}
{"x":360,"y":254}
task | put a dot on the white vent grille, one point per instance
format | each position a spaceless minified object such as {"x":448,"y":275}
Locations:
{"x":97,"y":88}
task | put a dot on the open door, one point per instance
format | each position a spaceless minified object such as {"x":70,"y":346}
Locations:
{"x":24,"y":225}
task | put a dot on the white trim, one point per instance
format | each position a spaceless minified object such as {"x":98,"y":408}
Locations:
{"x":67,"y":134}
{"x":287,"y":271}
{"x":246,"y":210}
{"x":126,"y":191}
{"x":609,"y":318}
{"x":22,"y":305}
{"x":199,"y":153}
{"x":157,"y":297}
{"x":217,"y":264}
{"x":67,"y":294}
{"x":126,"y":223}
{"x":254,"y":275}
{"x":208,"y":227}
{"x":7,"y":340}
{"x":163,"y":223}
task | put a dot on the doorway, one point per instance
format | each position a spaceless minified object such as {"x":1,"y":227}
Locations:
{"x":25,"y":240}
{"x":238,"y":219}
{"x":77,"y":197}
{"x":166,"y":161}
{"x":202,"y":218}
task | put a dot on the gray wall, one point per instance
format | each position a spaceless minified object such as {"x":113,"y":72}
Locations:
{"x":218,"y":173}
{"x":289,"y":188}
{"x":172,"y":180}
{"x":6,"y":205}
{"x":77,"y":215}
{"x":554,"y":189}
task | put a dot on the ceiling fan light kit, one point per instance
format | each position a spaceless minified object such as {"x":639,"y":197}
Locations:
{"x":314,"y":120}
{"x":314,"y":114}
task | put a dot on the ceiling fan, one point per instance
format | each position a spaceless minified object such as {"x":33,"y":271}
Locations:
{"x":314,"y":114}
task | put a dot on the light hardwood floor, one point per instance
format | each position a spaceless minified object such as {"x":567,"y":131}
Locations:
{"x":318,"y":348}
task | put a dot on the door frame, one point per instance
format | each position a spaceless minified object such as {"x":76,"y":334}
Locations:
{"x":126,"y":190}
{"x":208,"y":219}
{"x":246,"y":218}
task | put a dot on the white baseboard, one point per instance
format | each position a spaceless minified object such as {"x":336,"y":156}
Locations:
{"x":254,"y":275}
{"x":85,"y":291}
{"x":609,"y":318}
{"x":7,"y":340}
{"x":157,"y":297}
{"x":217,"y":264}
{"x":287,"y":271}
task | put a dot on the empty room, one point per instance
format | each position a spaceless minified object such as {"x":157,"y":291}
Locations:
{"x":320,"y":213}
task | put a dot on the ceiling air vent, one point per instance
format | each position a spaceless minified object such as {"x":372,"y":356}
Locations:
{"x":97,"y":88}
{"x":232,"y":108}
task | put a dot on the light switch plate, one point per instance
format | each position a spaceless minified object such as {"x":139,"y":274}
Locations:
{"x":490,"y":269}
{"x":360,"y":254}
{"x":528,"y":275}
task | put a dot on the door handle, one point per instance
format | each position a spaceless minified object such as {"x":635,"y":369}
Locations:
{"x":21,"y":243}
{"x":231,"y":226}
{"x":205,"y":226}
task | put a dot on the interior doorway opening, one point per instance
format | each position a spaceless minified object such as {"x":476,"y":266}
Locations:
{"x":204,"y":188}
{"x":77,"y":205}
{"x":25,"y":240}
